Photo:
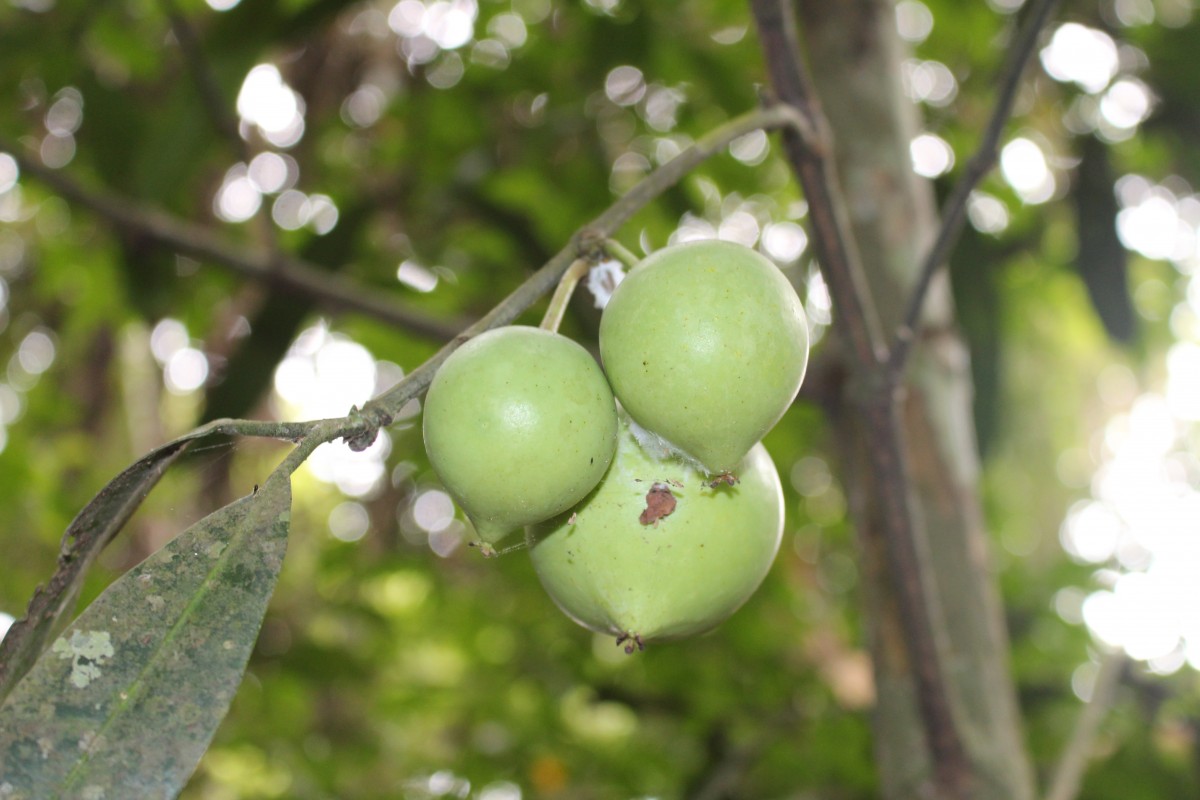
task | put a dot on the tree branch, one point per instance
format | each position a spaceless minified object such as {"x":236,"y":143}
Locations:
{"x":879,"y":399}
{"x":296,"y":274}
{"x":954,"y":211}
{"x":283,"y":271}
{"x":1068,"y":773}
{"x":359,"y":428}
{"x":214,"y":103}
{"x":811,"y":158}
{"x":383,"y":409}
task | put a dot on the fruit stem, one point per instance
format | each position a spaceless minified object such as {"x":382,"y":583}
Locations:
{"x":488,"y":550}
{"x":562,"y":294}
{"x":620,"y":253}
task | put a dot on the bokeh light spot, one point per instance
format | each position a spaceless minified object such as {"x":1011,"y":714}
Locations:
{"x":625,"y":85}
{"x":1024,"y":166}
{"x":186,"y":371}
{"x":349,"y":521}
{"x":1083,"y":55}
{"x":931,"y":155}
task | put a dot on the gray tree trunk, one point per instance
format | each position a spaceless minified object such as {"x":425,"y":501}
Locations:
{"x":855,"y":57}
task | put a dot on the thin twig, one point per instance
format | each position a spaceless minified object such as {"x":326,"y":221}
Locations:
{"x":954,"y":211}
{"x":1068,"y":774}
{"x":264,"y":429}
{"x":319,"y":434}
{"x":284,"y":272}
{"x":360,"y":427}
{"x":294,"y":273}
{"x":621,"y":253}
{"x":383,"y":409}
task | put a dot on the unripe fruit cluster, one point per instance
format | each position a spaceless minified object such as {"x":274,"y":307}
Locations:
{"x":656,"y":514}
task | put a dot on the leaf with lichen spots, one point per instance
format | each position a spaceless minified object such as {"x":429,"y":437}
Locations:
{"x":87,"y":535}
{"x":127,"y":699}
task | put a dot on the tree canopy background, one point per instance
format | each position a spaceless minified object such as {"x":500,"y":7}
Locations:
{"x":435,"y":154}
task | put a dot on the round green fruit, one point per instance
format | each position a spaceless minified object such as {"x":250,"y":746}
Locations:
{"x":519,"y":424}
{"x":705,"y":345}
{"x":659,"y":550}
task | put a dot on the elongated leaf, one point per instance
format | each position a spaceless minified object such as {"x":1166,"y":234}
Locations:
{"x":125,"y":702}
{"x":1102,"y":260}
{"x":87,"y":535}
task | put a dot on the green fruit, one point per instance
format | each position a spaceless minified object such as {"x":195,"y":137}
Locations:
{"x":657,"y":551}
{"x":519,"y":425}
{"x":705,"y":345}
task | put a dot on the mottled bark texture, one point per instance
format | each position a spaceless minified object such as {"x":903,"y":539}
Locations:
{"x":855,"y":56}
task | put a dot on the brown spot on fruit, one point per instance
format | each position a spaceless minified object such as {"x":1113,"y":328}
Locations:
{"x":660,"y":502}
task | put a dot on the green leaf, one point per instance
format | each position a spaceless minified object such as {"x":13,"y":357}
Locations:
{"x":1101,"y":258}
{"x":127,"y":699}
{"x":86,"y":536}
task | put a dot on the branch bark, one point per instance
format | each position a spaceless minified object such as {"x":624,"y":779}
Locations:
{"x":812,"y":160}
{"x":937,"y":634}
{"x":283,"y":272}
{"x":1068,"y":774}
{"x":859,"y":325}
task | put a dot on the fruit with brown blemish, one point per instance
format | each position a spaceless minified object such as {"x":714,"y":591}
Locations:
{"x":519,"y":424}
{"x":705,"y":345}
{"x":616,"y":564}
{"x":660,"y":502}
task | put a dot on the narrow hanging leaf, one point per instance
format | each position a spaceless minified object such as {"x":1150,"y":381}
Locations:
{"x":88,"y":534}
{"x":1102,"y":259}
{"x":127,"y":699}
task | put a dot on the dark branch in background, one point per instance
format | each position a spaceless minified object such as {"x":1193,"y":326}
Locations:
{"x":294,"y":274}
{"x":216,"y":105}
{"x":920,"y":614}
{"x":211,"y":97}
{"x":284,"y":272}
{"x":730,"y":756}
{"x":879,"y":400}
{"x":876,"y":382}
{"x":954,"y":211}
{"x":725,"y":766}
{"x":812,"y":160}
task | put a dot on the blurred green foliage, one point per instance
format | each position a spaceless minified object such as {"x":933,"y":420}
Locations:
{"x":386,"y":669}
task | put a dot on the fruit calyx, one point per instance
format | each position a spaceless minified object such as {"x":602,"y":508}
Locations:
{"x":632,"y":641}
